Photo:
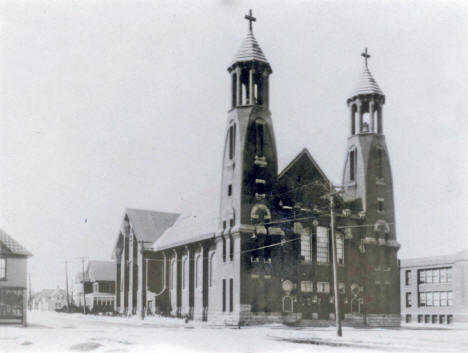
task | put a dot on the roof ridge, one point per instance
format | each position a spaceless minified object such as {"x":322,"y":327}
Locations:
{"x":149,"y":211}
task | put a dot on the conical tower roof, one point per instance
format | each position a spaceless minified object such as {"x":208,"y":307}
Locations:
{"x":250,"y":51}
{"x":367,"y":84}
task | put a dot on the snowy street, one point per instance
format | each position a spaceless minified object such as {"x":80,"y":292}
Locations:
{"x":56,"y":332}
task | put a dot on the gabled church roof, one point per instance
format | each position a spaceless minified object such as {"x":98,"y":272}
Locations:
{"x":198,"y":221}
{"x":304,"y":153}
{"x":148,"y":226}
{"x":250,"y":51}
{"x":367,"y":84}
{"x":8,"y":245}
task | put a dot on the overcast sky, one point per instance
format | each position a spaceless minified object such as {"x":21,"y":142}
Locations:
{"x":106,"y":105}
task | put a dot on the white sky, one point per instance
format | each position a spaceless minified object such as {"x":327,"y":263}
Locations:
{"x":106,"y":105}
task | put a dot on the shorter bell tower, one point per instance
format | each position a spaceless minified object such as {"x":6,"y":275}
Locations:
{"x":368,"y":188}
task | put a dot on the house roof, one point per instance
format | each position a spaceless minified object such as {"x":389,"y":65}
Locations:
{"x":101,"y":270}
{"x":48,"y":293}
{"x":367,"y":84}
{"x":11,"y":245}
{"x":148,"y":226}
{"x":250,"y":51}
{"x":198,"y":221}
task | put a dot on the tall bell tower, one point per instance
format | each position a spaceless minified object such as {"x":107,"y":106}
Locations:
{"x":249,"y":168}
{"x":368,"y":187}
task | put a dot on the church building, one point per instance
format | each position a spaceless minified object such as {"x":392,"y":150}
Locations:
{"x":263,"y":252}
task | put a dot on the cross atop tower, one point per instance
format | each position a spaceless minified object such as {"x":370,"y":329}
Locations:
{"x":366,"y":56}
{"x":251,"y":19}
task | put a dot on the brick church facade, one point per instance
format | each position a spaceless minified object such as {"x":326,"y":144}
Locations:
{"x":265,"y":253}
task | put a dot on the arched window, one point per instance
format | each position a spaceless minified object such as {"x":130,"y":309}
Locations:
{"x":198,"y":272}
{"x":306,"y":245}
{"x":185,"y":273}
{"x":173,"y":274}
{"x":259,"y":129}
{"x":322,"y":245}
{"x":352,"y":164}
{"x":232,"y":141}
{"x":212,"y":269}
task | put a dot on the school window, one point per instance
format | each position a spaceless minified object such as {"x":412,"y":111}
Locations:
{"x":341,"y":288}
{"x":323,"y":287}
{"x":224,"y":295}
{"x":352,"y":165}
{"x":408,"y":277}
{"x":322,"y":245}
{"x":443,"y":298}
{"x":3,"y":273}
{"x":229,"y":189}
{"x":408,"y":300}
{"x":231,"y":295}
{"x":306,"y":248}
{"x":339,"y":249}
{"x":437,"y":275}
{"x":449,"y":299}
{"x":422,"y":299}
{"x":307,"y":286}
{"x":429,"y":298}
{"x":435,"y":299}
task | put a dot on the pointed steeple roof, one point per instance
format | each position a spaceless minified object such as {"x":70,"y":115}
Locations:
{"x":367,"y":84}
{"x":250,"y":51}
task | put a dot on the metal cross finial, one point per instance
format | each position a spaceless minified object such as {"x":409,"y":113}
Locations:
{"x":366,"y":56}
{"x":250,"y":18}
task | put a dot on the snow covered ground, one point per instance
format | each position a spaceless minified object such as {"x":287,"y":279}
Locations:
{"x":55,"y":332}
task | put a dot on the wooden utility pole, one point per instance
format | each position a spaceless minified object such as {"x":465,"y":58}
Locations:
{"x":83,"y":281}
{"x":331,"y":199}
{"x":30,"y":292}
{"x":66,"y":285}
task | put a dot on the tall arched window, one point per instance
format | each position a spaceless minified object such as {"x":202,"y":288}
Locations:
{"x":198,"y":272}
{"x":352,"y":164}
{"x":232,"y":141}
{"x":259,"y":128}
{"x":185,"y":274}
{"x":212,"y":268}
{"x":173,"y":274}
